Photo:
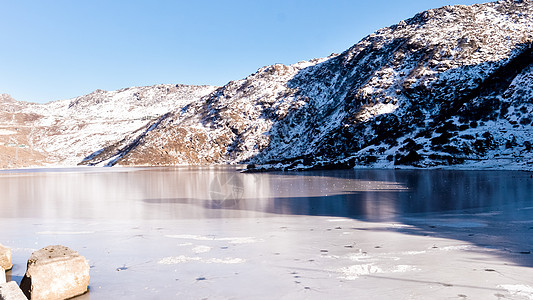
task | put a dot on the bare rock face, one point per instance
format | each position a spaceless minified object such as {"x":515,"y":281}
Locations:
{"x":5,"y":258}
{"x":11,"y":291}
{"x":2,"y":275}
{"x":55,"y":272}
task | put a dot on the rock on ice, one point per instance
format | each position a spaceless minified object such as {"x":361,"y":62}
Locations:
{"x":11,"y":291}
{"x":5,"y":258}
{"x":55,"y":272}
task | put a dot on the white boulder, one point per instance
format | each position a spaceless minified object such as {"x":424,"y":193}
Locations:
{"x":55,"y":272}
{"x":11,"y":291}
{"x":5,"y":258}
{"x":2,"y":275}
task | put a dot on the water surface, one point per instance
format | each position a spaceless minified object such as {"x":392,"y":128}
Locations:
{"x":224,"y":192}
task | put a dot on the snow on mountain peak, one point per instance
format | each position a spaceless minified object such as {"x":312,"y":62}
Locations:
{"x":348,"y":108}
{"x":449,"y":86}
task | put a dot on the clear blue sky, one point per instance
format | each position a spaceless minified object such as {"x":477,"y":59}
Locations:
{"x":60,"y":49}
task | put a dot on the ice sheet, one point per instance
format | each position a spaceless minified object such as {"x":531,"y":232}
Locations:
{"x":146,"y":238}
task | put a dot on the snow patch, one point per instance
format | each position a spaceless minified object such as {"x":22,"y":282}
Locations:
{"x":64,"y":232}
{"x":413,"y":252}
{"x":455,"y":248}
{"x":519,"y":290}
{"x":355,"y":271}
{"x":231,"y":240}
{"x":173,"y":260}
{"x":201,"y":249}
{"x":404,"y":269}
{"x":6,"y":132}
{"x":339,"y":220}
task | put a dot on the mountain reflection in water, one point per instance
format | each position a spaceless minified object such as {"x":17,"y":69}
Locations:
{"x":223,"y":192}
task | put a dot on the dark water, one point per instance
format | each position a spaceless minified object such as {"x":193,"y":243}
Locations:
{"x":223,"y":192}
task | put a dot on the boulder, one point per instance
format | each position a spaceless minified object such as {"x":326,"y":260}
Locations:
{"x":55,"y":272}
{"x":11,"y":291}
{"x":5,"y":258}
{"x":2,"y":275}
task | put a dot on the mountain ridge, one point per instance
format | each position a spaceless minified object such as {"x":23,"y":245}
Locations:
{"x":357,"y":108}
{"x":66,"y":131}
{"x":449,"y":87}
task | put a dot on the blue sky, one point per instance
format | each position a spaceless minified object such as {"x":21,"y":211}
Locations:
{"x":60,"y":49}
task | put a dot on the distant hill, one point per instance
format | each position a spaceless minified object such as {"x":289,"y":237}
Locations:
{"x":65,"y":132}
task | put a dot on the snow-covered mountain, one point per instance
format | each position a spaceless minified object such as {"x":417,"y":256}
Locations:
{"x":67,"y":131}
{"x":450,"y":86}
{"x":227,"y":126}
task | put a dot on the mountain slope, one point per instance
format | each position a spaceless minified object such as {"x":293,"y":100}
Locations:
{"x":448,"y":86}
{"x":65,"y":132}
{"x":226,"y":126}
{"x":15,"y":127}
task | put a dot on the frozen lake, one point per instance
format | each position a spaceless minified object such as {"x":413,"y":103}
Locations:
{"x":216,"y":233}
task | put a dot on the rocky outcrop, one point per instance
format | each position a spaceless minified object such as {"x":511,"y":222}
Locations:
{"x":6,"y":99}
{"x":55,"y":272}
{"x":11,"y":291}
{"x":5,"y":258}
{"x":2,"y":275}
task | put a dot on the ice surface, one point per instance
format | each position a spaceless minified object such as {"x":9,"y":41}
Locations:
{"x":156,"y":233}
